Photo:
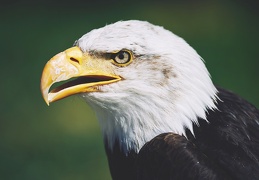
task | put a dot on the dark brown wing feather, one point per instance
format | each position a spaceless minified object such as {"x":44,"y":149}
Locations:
{"x":171,"y":156}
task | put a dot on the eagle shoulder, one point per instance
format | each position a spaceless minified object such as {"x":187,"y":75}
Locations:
{"x":172,"y":156}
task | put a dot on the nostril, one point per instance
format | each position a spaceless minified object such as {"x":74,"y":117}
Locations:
{"x":74,"y":59}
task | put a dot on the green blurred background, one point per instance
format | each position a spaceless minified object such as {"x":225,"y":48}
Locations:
{"x":63,"y":141}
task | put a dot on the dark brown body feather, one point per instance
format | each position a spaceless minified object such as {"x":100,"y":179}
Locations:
{"x":225,"y":147}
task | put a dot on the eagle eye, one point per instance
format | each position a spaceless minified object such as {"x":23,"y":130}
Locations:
{"x":122,"y":57}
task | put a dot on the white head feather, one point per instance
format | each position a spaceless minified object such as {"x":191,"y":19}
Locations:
{"x":165,"y":89}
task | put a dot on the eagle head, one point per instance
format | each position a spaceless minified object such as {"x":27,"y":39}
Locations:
{"x":141,"y":79}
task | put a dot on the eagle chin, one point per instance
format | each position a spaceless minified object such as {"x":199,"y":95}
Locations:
{"x":160,"y":114}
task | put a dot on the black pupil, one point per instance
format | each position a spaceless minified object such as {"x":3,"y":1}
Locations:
{"x":121,"y":55}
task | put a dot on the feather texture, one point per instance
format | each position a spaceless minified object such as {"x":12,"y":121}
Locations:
{"x":226,"y":148}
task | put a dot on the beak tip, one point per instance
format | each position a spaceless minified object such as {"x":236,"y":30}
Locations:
{"x":46,"y":100}
{"x":45,"y":96}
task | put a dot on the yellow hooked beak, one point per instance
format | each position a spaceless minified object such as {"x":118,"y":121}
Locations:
{"x":85,"y":74}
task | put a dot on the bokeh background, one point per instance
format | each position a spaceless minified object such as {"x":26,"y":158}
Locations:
{"x":63,"y":141}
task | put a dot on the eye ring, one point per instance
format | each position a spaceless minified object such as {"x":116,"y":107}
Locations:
{"x":122,"y":57}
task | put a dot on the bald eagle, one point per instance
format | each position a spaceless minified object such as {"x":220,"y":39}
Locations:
{"x":160,"y":114}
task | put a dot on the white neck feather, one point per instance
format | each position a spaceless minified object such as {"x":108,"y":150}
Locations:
{"x":134,"y":119}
